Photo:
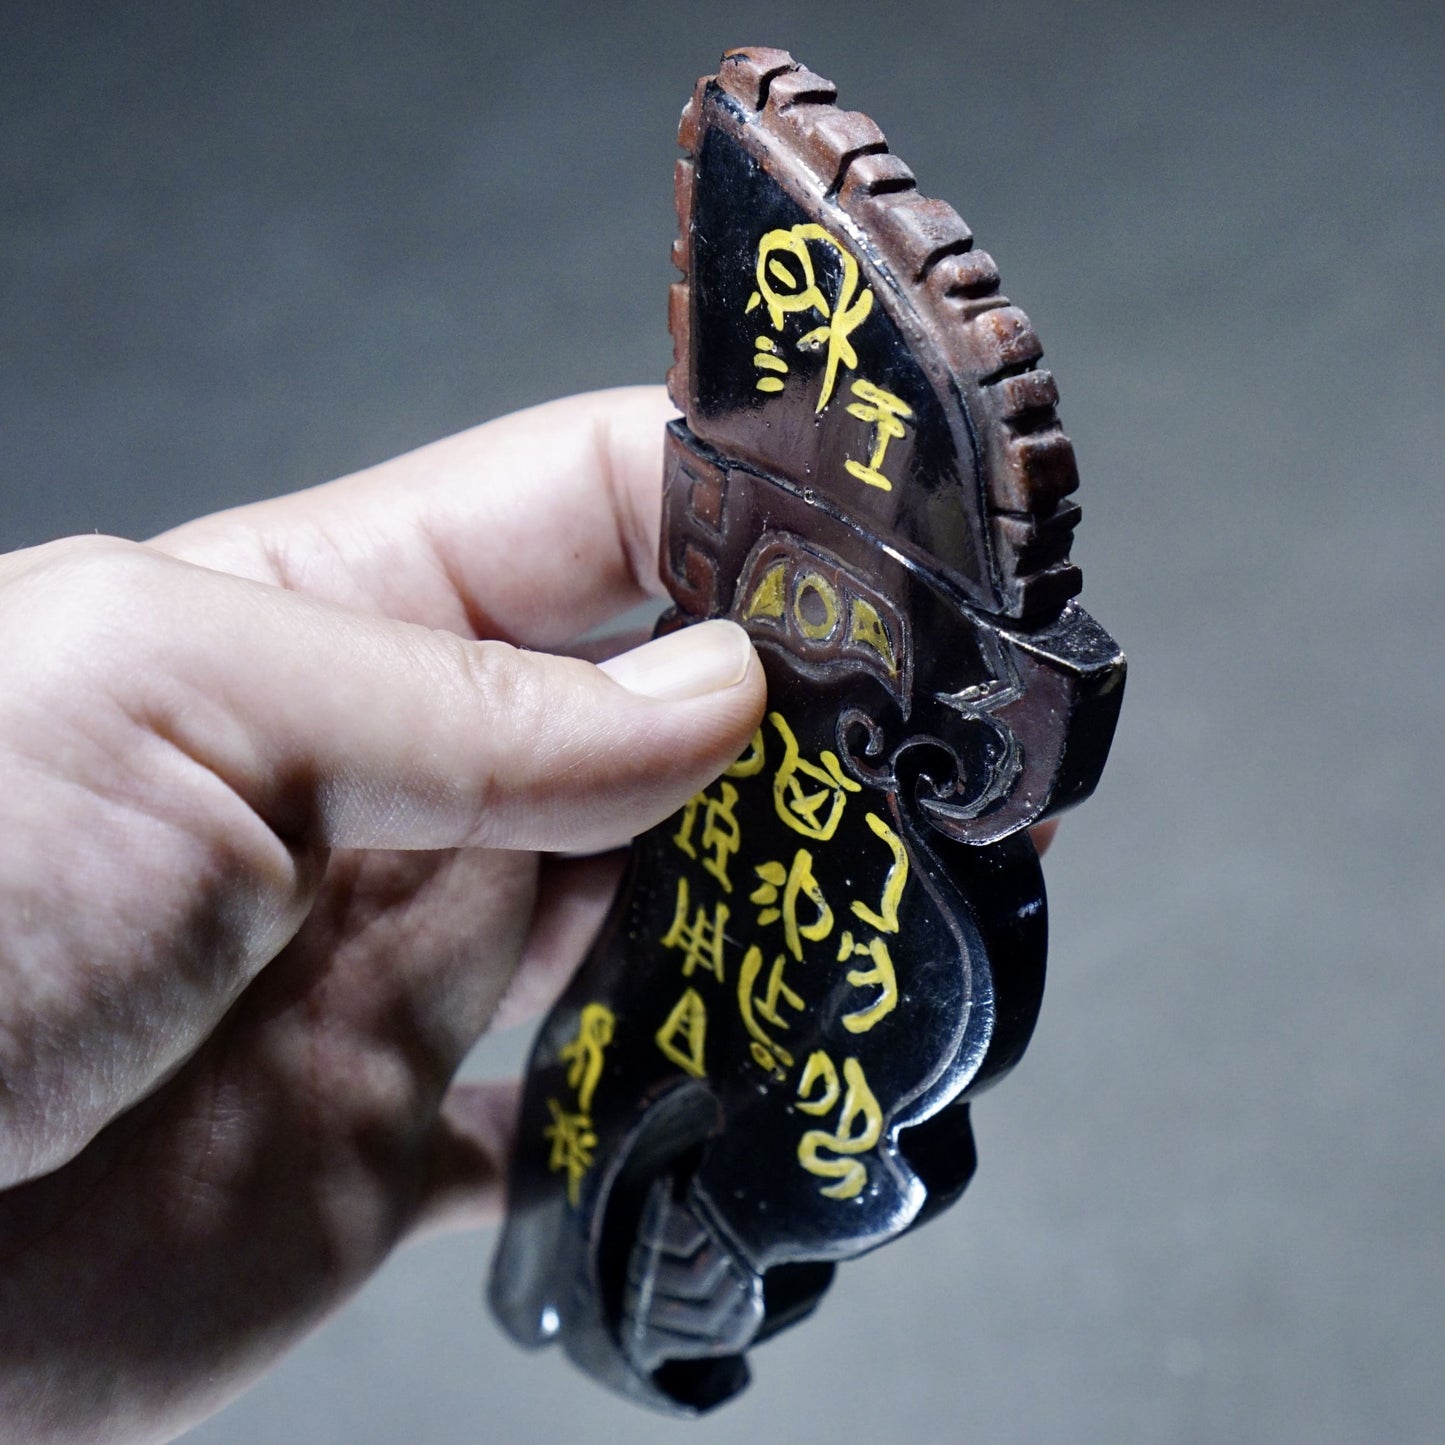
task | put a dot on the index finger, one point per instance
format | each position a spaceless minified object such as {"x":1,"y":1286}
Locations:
{"x":529,"y":529}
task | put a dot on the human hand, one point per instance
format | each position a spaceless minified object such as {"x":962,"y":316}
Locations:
{"x":276,"y":853}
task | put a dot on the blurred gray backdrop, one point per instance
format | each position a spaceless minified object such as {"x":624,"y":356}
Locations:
{"x":250,"y":247}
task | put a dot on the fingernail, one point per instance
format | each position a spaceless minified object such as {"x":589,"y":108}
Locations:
{"x":690,"y":662}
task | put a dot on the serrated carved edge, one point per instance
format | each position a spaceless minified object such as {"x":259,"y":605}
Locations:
{"x":1028,"y":465}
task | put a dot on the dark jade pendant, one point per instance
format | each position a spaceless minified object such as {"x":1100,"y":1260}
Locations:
{"x":765,"y":1063}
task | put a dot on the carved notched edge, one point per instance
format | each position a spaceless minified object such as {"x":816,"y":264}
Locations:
{"x":992,"y":351}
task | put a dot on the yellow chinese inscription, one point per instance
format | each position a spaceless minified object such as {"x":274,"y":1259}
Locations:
{"x":721,"y":836}
{"x":701,"y":941}
{"x":809,"y":797}
{"x":751,"y":762}
{"x":683,"y":1034}
{"x":765,"y":358}
{"x":572,"y":1142}
{"x":787,"y":283}
{"x":881,"y":974}
{"x":779,"y":893}
{"x":570,"y":1133}
{"x":770,"y":991}
{"x":886,"y":414}
{"x":828,"y":1155}
{"x":583,"y":1056}
{"x":768,"y":1054}
{"x":886,"y":919}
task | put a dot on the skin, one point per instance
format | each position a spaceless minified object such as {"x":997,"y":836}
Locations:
{"x":287,"y":829}
{"x":299,"y":800}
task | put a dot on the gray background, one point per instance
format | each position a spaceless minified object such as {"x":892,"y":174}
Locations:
{"x":252,"y":247}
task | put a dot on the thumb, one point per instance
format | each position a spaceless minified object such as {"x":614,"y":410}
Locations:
{"x":446,"y":743}
{"x":341,"y":729}
{"x":577,"y":757}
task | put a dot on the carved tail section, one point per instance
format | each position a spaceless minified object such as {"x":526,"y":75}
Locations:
{"x":688,"y":1297}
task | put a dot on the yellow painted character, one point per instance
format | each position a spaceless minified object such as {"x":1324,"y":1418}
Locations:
{"x":683,"y":1035}
{"x":787,"y":283}
{"x":809,"y":797}
{"x":573,"y":1141}
{"x":779,"y":893}
{"x":886,"y":413}
{"x":768,"y":1054}
{"x":885,"y":920}
{"x":583,"y":1056}
{"x":860,"y":1124}
{"x":751,"y":762}
{"x":700,"y":941}
{"x":881,"y":974}
{"x":721,"y":833}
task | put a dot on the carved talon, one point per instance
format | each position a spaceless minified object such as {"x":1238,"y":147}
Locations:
{"x":688,"y":1298}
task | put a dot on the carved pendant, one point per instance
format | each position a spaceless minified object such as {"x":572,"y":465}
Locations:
{"x":763,"y":1066}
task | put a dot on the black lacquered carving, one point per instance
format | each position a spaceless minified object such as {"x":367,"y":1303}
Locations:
{"x":765,"y":1063}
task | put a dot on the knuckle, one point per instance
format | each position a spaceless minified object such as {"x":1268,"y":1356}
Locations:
{"x":82,"y":588}
{"x":500,"y":684}
{"x":494,"y":695}
{"x":536,"y":729}
{"x":81,"y":621}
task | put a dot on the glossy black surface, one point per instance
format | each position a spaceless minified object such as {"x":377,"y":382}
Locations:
{"x":763,"y":1066}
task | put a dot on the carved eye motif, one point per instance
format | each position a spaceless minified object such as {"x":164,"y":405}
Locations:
{"x":823,"y":612}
